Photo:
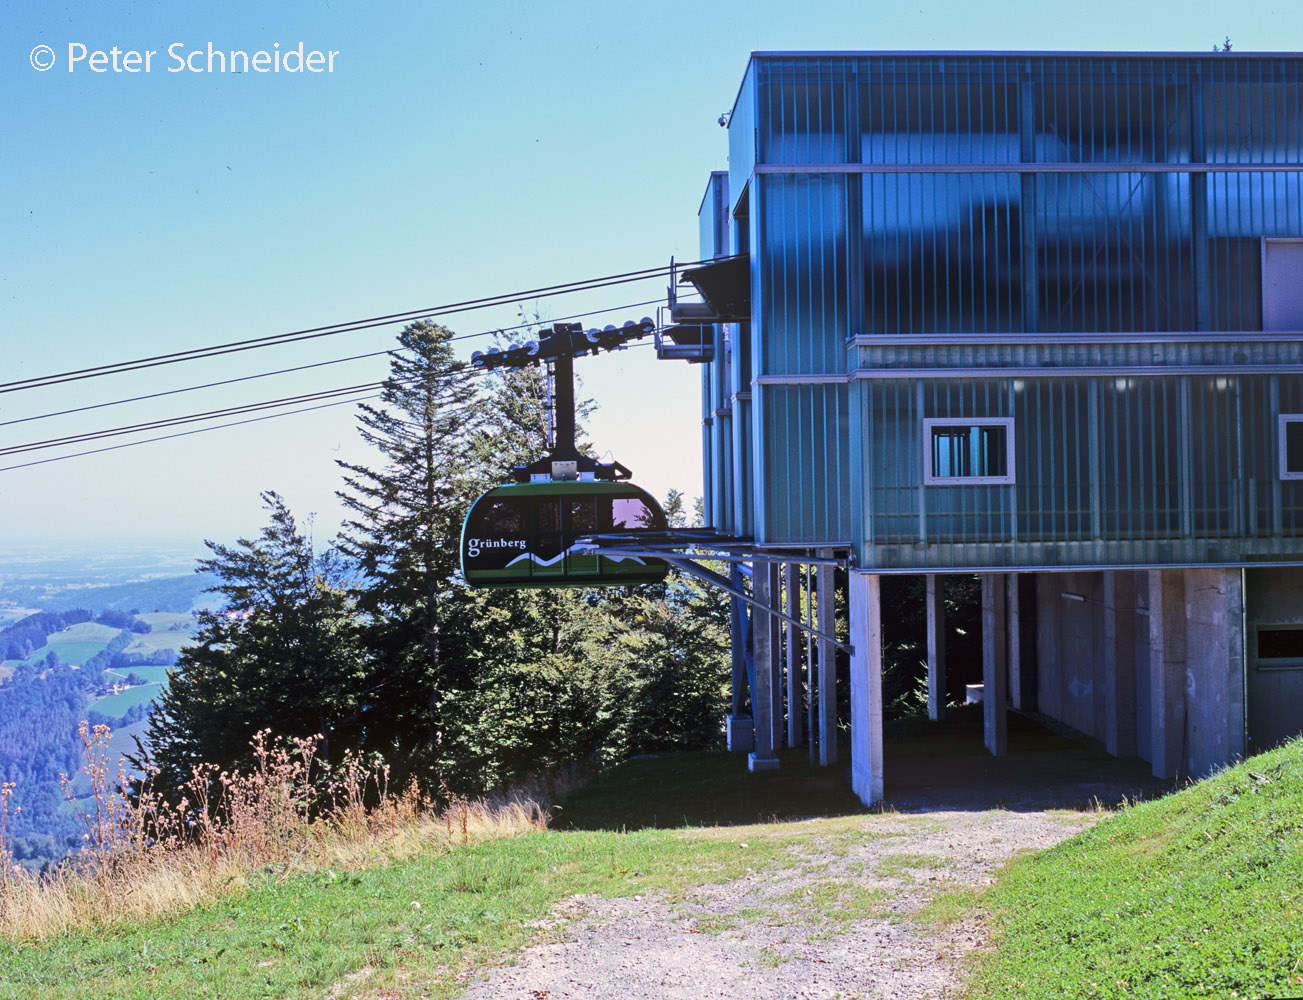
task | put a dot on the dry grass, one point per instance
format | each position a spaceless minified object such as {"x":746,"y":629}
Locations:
{"x":147,"y":857}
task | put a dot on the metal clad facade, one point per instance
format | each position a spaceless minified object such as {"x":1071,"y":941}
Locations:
{"x":1059,"y":254}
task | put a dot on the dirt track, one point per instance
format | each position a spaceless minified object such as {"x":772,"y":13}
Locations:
{"x":834,"y":922}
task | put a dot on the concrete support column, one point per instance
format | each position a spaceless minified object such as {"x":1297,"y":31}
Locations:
{"x":775,"y":626}
{"x":762,"y":702}
{"x":1013,"y":643}
{"x":936,"y":647}
{"x":795,"y":702}
{"x":1120,"y":663}
{"x":1167,"y":666}
{"x":827,"y":665}
{"x":994,"y":664}
{"x":865,"y":608}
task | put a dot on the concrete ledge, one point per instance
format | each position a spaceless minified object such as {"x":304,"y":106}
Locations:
{"x":739,"y":731}
{"x":762,"y":762}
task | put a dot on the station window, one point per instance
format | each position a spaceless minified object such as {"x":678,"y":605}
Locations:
{"x":1280,"y":647}
{"x":967,"y":451}
{"x":1290,"y":445}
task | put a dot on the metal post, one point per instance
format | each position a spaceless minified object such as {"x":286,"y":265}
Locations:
{"x":762,"y":707}
{"x":794,"y":704}
{"x":737,"y":728}
{"x":936,"y":647}
{"x":775,"y":626}
{"x":827,"y":667}
{"x":811,"y":686}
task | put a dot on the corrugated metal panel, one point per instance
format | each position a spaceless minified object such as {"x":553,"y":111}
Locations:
{"x":742,"y":138}
{"x":804,"y":274}
{"x":808,"y":435}
{"x":1109,"y":470}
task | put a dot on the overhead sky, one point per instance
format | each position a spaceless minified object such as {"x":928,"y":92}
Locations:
{"x":443,"y":152}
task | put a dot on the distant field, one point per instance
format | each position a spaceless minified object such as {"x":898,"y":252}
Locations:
{"x":117,"y":704}
{"x":152,"y":674}
{"x":10,"y":615}
{"x":156,"y":641}
{"x":161,"y":621}
{"x":122,"y":742}
{"x":6,"y":671}
{"x":76,"y":644}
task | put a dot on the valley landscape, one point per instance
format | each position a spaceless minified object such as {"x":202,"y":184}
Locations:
{"x":86,"y":635}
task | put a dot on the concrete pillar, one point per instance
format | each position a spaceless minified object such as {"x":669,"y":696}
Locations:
{"x":936,"y":647}
{"x":1120,"y":663}
{"x":994,"y":664}
{"x":738,"y":728}
{"x":1013,"y":643}
{"x":827,"y":665}
{"x":762,"y":704}
{"x":795,"y":703}
{"x":865,"y":608}
{"x":1167,"y":665}
{"x":775,"y":626}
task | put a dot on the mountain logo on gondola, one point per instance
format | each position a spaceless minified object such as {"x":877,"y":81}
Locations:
{"x":539,"y":561}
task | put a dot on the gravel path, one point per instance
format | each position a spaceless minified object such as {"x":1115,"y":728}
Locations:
{"x":834,"y":922}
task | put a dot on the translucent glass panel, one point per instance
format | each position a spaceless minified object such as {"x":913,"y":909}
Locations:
{"x":941,"y":253}
{"x":806,"y":110}
{"x":945,"y":110}
{"x":1108,"y":109}
{"x":712,"y":217}
{"x":929,"y":109}
{"x":1134,"y":470}
{"x":1253,"y":112}
{"x":804,"y":301}
{"x":1141,"y":443}
{"x":1113,"y":252}
{"x":742,"y":137}
{"x":807,"y":444}
{"x":1240,"y":209}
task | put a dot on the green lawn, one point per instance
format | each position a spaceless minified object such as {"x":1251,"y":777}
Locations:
{"x":153,"y":673}
{"x":76,"y":644}
{"x":1194,"y":895}
{"x":114,"y":705}
{"x":170,"y":631}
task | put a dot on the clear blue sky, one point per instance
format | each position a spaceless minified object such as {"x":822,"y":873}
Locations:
{"x":455,"y":151}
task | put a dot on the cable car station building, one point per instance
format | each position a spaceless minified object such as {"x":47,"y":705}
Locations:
{"x":1034,"y":317}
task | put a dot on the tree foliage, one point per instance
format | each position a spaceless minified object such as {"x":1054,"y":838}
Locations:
{"x":284,"y":653}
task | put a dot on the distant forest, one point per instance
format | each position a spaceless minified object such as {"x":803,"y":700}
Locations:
{"x":41,"y":706}
{"x":174,"y":593}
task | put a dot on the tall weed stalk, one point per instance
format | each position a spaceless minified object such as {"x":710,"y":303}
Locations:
{"x":148,"y":854}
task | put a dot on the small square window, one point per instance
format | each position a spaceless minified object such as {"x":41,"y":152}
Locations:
{"x":1280,"y":647}
{"x":1290,"y":445}
{"x":966,"y":451}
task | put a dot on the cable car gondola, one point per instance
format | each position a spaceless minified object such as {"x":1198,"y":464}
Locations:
{"x":524,"y":535}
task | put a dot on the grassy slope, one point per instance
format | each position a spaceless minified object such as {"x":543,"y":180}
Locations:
{"x":76,"y":644}
{"x":295,"y":935}
{"x":170,"y":631}
{"x":114,"y":705}
{"x":1197,"y":894}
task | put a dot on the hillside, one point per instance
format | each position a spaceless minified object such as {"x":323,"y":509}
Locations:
{"x":1196,"y":894}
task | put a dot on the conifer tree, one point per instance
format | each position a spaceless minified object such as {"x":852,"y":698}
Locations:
{"x":283,"y":654}
{"x":403,"y":532}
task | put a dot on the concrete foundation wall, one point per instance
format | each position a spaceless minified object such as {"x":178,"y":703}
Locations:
{"x":1151,"y":664}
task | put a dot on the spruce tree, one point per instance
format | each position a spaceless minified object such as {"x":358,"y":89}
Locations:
{"x":403,"y":532}
{"x":283,"y":653}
